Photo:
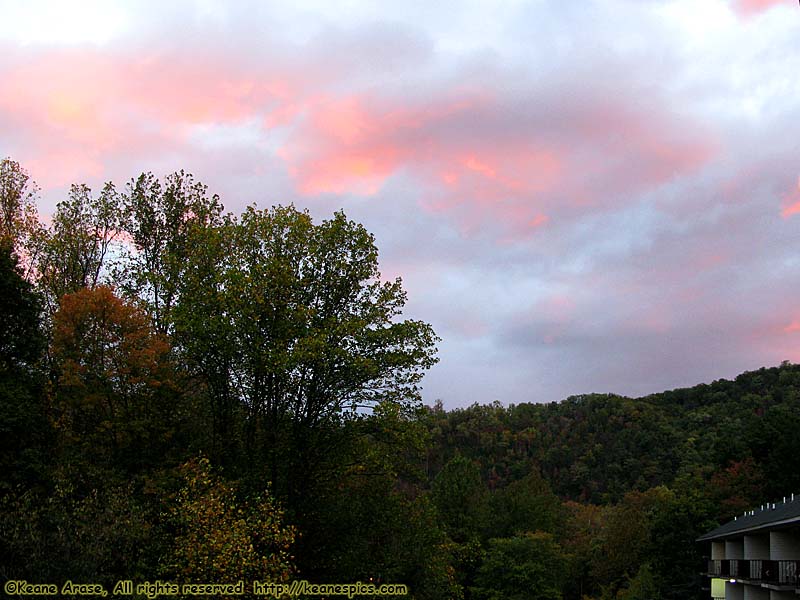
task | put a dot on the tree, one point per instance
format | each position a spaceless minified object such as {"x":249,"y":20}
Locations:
{"x":524,"y":567}
{"x":584,"y":524}
{"x":222,"y":539}
{"x":626,"y":540}
{"x":677,"y":518}
{"x":19,"y":219}
{"x":117,"y":397}
{"x":370,"y":518}
{"x":462,"y":500}
{"x":525,"y":505}
{"x":73,"y":252}
{"x":290,"y":323}
{"x":23,"y":425}
{"x":21,"y":338}
{"x":103,"y":534}
{"x":159,"y":217}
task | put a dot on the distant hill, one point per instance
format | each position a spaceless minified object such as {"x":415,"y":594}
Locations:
{"x":742,"y":434}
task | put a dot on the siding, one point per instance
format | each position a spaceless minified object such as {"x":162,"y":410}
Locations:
{"x":752,"y":592}
{"x":717,"y":550}
{"x":784,"y":545}
{"x":756,"y":547}
{"x":734,"y":548}
{"x":734,"y":591}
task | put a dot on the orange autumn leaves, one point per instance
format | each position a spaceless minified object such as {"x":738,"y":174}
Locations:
{"x":118,"y":391}
{"x":118,"y":397}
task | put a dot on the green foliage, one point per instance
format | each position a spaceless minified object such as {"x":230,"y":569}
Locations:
{"x":673,"y":555}
{"x":582,"y":528}
{"x":160,"y":218}
{"x":624,"y":538}
{"x":371,"y":520}
{"x":368,"y":529}
{"x":19,"y":218}
{"x":641,"y":587}
{"x":289,"y":322}
{"x":525,"y":567}
{"x":466,"y":558}
{"x":103,"y":535}
{"x":776,"y":445}
{"x":591,"y":448}
{"x":461,"y":499}
{"x":23,"y":424}
{"x":73,"y":253}
{"x":525,"y":505}
{"x":320,"y":326}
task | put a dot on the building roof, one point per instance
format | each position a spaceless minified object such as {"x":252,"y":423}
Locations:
{"x":766,"y":517}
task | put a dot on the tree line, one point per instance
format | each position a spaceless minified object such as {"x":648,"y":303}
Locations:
{"x":192,"y":395}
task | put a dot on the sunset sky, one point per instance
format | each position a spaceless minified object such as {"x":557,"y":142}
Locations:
{"x":594,"y":196}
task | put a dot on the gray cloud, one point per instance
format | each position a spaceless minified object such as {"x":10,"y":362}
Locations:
{"x":579,"y":196}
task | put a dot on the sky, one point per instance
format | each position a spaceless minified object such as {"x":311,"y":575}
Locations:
{"x":596,"y":196}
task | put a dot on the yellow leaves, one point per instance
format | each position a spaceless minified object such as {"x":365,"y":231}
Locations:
{"x":222,"y":538}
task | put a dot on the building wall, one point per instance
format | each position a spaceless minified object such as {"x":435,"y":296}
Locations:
{"x":717,"y":550}
{"x":734,"y":591}
{"x":754,"y":592}
{"x":784,"y":544}
{"x":756,"y":546}
{"x":734,"y":548}
{"x":775,"y":595}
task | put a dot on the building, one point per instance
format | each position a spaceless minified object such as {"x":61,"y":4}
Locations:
{"x":757,"y":555}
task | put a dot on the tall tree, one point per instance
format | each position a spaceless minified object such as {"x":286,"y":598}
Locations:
{"x":23,"y":425}
{"x":73,"y":254}
{"x":292,"y":324}
{"x":21,"y":339}
{"x":158,"y":219}
{"x":19,"y":219}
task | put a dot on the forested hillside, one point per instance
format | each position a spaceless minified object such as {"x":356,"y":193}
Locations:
{"x":597,"y":447}
{"x":625,"y":485}
{"x":195,"y":396}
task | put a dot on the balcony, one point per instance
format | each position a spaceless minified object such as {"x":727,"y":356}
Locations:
{"x":776,"y":572}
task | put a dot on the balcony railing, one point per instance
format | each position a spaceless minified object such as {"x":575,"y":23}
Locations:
{"x":780,"y":572}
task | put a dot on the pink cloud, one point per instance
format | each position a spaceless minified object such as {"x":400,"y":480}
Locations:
{"x":791,"y":202}
{"x":479,"y":160}
{"x":748,"y":8}
{"x":790,"y":210}
{"x":475,"y":152}
{"x":619,"y":149}
{"x":80,"y":107}
{"x":538,"y":221}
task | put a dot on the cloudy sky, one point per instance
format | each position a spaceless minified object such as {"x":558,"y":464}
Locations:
{"x":579,"y":196}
